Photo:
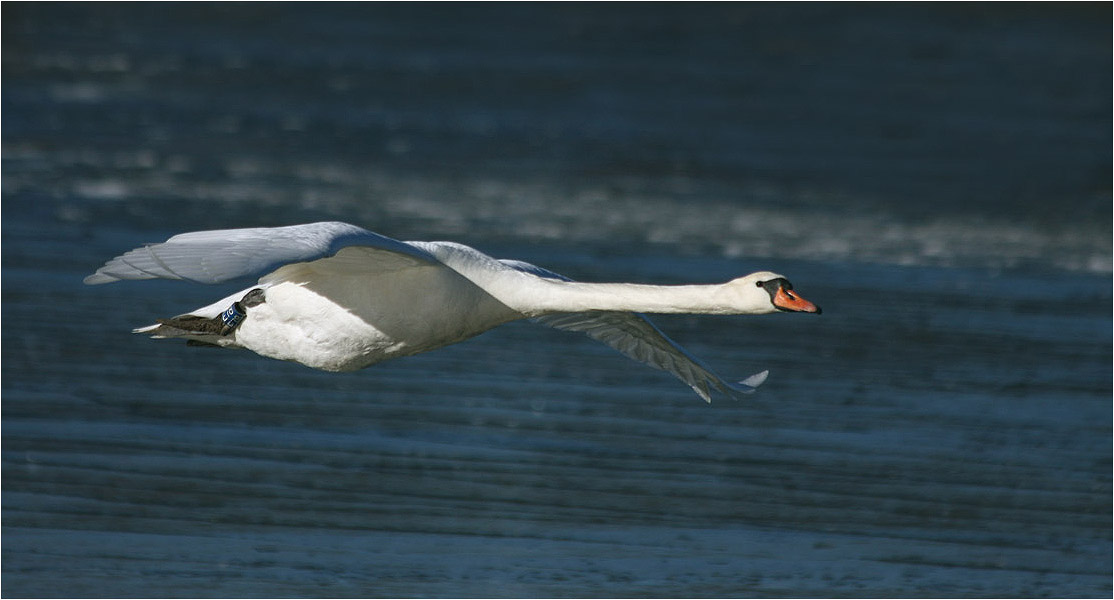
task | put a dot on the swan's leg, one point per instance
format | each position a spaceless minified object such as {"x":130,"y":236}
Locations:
{"x":231,"y":318}
{"x":221,"y":325}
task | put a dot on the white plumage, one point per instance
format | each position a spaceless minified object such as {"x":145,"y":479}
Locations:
{"x":337,"y":297}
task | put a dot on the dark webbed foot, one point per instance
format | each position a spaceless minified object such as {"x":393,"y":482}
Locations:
{"x":226,"y":323}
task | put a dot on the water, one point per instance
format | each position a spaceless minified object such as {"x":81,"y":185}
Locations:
{"x":936,"y":177}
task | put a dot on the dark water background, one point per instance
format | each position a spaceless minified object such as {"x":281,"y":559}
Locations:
{"x":937,"y":177}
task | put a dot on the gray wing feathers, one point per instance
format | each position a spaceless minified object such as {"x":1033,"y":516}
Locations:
{"x":634,"y":336}
{"x":223,"y":255}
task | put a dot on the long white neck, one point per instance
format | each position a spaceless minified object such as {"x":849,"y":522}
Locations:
{"x":548,"y":296}
{"x":531,"y":295}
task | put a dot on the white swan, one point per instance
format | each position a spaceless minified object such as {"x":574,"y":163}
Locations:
{"x":337,"y":297}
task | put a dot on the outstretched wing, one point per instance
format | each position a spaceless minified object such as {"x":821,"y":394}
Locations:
{"x":222,"y":255}
{"x":634,"y":336}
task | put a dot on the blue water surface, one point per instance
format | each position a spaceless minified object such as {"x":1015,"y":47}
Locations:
{"x":937,"y":177}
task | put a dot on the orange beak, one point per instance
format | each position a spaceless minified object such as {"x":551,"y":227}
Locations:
{"x":789,"y":300}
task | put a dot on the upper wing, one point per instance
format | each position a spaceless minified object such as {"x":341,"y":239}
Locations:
{"x":222,"y":255}
{"x":636,"y":337}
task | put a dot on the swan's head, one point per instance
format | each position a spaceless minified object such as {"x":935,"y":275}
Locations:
{"x":765,"y":292}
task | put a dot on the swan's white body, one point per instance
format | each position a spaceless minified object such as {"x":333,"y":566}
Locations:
{"x":340,"y":298}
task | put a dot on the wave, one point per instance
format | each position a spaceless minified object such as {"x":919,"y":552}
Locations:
{"x":749,"y":222}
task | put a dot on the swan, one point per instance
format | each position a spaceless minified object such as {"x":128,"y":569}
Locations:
{"x":337,"y":297}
